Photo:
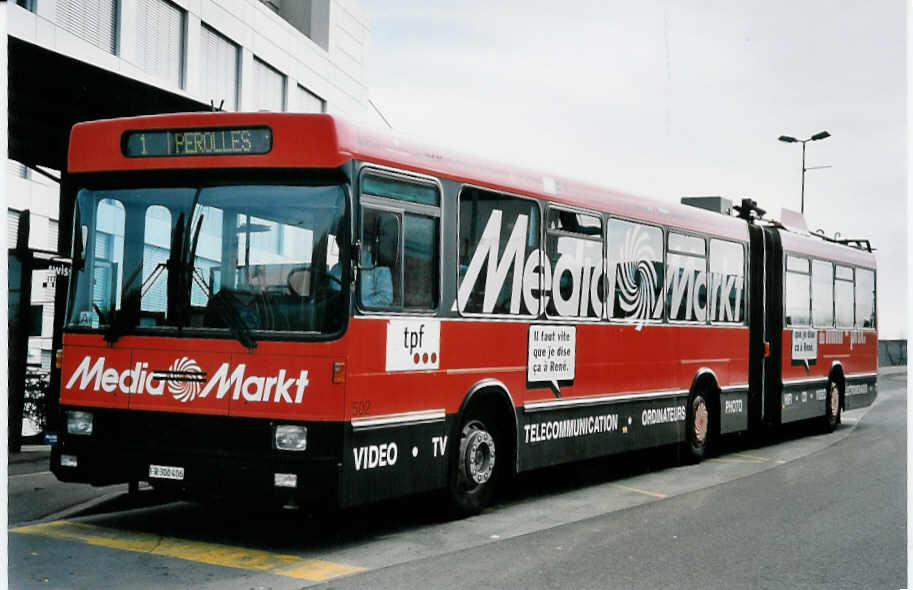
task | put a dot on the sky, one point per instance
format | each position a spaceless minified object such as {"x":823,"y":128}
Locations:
{"x":670,"y":99}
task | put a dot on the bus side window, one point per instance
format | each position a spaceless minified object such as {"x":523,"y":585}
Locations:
{"x":843,"y":296}
{"x":420,"y":261}
{"x":635,"y":271}
{"x":797,"y":291}
{"x":400,"y":265}
{"x":865,"y":298}
{"x":379,"y":286}
{"x":686,"y":278}
{"x":822,"y":294}
{"x":727,"y":281}
{"x":499,"y":241}
{"x":573,"y":246}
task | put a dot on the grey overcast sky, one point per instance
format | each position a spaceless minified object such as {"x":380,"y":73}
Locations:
{"x":670,"y":99}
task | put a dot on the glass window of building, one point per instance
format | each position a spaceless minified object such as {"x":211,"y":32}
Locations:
{"x":16,"y":170}
{"x":269,"y":88}
{"x":160,"y":40}
{"x":219,"y":69}
{"x":308,"y":102}
{"x":93,"y":21}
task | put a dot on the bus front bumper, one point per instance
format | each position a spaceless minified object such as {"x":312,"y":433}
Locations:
{"x":199,"y":475}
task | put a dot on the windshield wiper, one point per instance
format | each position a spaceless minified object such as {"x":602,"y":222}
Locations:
{"x":226,"y":307}
{"x":125,"y":318}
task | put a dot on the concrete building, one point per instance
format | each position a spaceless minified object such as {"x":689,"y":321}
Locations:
{"x":74,"y":60}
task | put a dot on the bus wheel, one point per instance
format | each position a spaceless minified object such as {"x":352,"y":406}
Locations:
{"x":832,"y":414}
{"x":697,"y":428}
{"x":472,"y":475}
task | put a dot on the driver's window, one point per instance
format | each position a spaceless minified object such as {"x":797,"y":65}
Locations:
{"x":381,"y":271}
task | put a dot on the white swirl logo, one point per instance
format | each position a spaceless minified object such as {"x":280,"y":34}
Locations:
{"x":184,"y":379}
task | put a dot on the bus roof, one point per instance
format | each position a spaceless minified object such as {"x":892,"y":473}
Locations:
{"x":816,"y":247}
{"x":325,"y":141}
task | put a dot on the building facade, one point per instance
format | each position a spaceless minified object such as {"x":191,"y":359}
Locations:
{"x":237,"y":55}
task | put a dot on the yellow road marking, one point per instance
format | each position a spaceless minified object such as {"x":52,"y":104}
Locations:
{"x":751,"y":456}
{"x":293,"y":566}
{"x":640,"y":491}
{"x":726,"y":460}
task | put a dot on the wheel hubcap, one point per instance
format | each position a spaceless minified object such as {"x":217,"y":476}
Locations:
{"x":835,"y":400}
{"x":478,"y":457}
{"x":700,"y":420}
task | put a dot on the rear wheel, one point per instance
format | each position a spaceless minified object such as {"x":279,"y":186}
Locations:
{"x":832,"y":413}
{"x":472,"y":477}
{"x":698,"y":429}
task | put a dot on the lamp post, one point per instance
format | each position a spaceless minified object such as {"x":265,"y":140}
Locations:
{"x":815,"y":137}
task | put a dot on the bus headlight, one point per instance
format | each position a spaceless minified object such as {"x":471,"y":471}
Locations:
{"x":79,"y":422}
{"x":289,"y":437}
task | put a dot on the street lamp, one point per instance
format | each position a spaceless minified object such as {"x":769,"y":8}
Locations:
{"x":815,"y":137}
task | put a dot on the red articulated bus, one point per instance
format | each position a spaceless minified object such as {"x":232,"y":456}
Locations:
{"x":291,"y":307}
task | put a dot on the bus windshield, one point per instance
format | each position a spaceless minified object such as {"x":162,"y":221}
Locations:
{"x":250,"y":259}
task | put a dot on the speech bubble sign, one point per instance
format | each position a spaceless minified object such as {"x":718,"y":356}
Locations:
{"x":551,"y":355}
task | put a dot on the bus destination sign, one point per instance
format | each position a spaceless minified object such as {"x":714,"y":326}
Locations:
{"x":223,"y":141}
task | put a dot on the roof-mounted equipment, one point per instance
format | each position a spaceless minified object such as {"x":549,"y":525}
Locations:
{"x":749,"y":210}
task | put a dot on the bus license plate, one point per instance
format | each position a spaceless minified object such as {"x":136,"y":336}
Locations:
{"x":166,"y":472}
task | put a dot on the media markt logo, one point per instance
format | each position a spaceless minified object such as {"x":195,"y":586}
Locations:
{"x":186,"y":381}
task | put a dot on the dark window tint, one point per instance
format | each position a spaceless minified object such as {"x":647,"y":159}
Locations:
{"x":797,"y":296}
{"x":35,"y":319}
{"x":727,"y":281}
{"x":420,"y":261}
{"x":822,"y":294}
{"x":380,"y":275}
{"x":686,"y":279}
{"x":865,"y":298}
{"x":500,"y":270}
{"x":574,"y":250}
{"x":382,"y":186}
{"x":635,"y":263}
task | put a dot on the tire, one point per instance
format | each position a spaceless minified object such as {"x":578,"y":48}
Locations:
{"x":473,"y":473}
{"x":698,"y":428}
{"x":832,"y":409}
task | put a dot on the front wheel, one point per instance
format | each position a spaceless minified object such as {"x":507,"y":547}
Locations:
{"x":832,"y":414}
{"x":697,"y":429}
{"x":472,"y":477}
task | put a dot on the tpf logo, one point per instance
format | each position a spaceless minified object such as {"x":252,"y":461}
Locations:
{"x":413,"y":345}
